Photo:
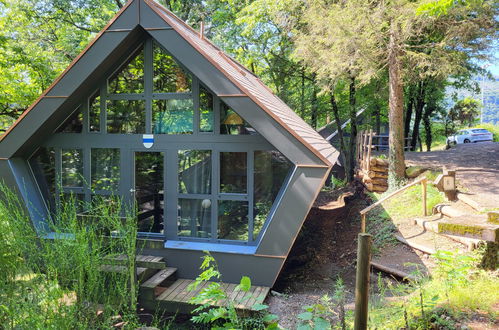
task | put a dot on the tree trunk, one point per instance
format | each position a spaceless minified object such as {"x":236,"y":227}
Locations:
{"x":408,"y":113}
{"x":302,"y":93}
{"x":336,"y":114}
{"x":396,"y":113}
{"x":313,"y":114}
{"x":353,"y":131}
{"x":419,"y":106}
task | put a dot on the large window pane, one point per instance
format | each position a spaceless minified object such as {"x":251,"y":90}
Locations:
{"x":129,"y":79}
{"x":126,"y":116}
{"x":233,"y":220}
{"x":74,"y":123}
{"x":194,"y":171}
{"x":271,"y":169}
{"x":169,"y":77}
{"x":205,"y":110}
{"x":149,"y":194}
{"x":105,"y":169}
{"x":43,"y":166}
{"x":194,"y":218}
{"x":232,"y":124}
{"x":172,"y":116}
{"x":94,"y":113}
{"x":72,"y":168}
{"x":233,"y":172}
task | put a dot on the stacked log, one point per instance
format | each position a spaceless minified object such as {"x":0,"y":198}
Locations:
{"x":375,"y":178}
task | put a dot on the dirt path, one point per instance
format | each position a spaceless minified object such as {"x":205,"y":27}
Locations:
{"x":477,"y":166}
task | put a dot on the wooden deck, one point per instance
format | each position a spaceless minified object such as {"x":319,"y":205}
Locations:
{"x":161,"y":289}
{"x":178,"y":292}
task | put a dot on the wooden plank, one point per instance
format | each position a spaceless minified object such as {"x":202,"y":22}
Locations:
{"x":263,"y":295}
{"x":170,"y":289}
{"x":159,"y":277}
{"x":255,"y":295}
{"x":178,"y":290}
{"x":193,"y":293}
{"x":180,"y":297}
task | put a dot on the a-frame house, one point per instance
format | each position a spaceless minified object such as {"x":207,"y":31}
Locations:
{"x":232,"y":169}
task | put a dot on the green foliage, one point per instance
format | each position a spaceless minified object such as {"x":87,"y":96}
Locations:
{"x":465,"y":111}
{"x":455,"y":292}
{"x":54,"y":281}
{"x":224,"y":316}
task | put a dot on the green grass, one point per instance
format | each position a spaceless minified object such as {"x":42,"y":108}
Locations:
{"x":455,"y":293}
{"x":55,"y":283}
{"x":494,"y":129}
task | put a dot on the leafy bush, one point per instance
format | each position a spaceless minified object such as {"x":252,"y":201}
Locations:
{"x":494,"y":129}
{"x":225,"y":316}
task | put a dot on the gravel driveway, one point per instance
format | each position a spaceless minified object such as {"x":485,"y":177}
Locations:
{"x":477,"y":167}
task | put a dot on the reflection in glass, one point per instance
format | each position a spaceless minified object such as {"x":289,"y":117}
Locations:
{"x":194,"y":171}
{"x":172,"y":116}
{"x":43,"y":166}
{"x":194,"y":217}
{"x":169,"y":77}
{"x":74,"y":124}
{"x":149,"y":195}
{"x":129,"y":79}
{"x":233,"y":172}
{"x":72,"y":168}
{"x":105,"y":169}
{"x":94,"y":113}
{"x":233,"y":220}
{"x":205,"y":110}
{"x":271,"y":169}
{"x":126,"y":116}
{"x":232,"y":124}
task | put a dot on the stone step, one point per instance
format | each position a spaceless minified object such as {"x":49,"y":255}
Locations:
{"x":470,"y":226}
{"x":424,"y":240}
{"x":146,"y":261}
{"x":431,"y":224}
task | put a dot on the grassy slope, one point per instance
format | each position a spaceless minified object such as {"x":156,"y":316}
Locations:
{"x":457,"y":292}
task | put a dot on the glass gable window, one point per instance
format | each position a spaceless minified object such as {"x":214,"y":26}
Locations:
{"x":74,"y":124}
{"x":169,"y":77}
{"x":233,"y":172}
{"x":194,"y":218}
{"x":129,"y":79}
{"x":72,"y":168}
{"x":270,"y":172}
{"x":94,"y":113}
{"x":194,"y":171}
{"x":126,"y":116}
{"x":105,"y":169}
{"x":232,"y":124}
{"x":205,"y":110}
{"x":233,"y":220}
{"x":173,"y":116}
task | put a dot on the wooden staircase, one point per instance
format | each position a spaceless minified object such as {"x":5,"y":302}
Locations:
{"x":159,"y":287}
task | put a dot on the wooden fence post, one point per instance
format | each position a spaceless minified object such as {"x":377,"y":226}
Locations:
{"x":362,"y":281}
{"x":423,"y":186}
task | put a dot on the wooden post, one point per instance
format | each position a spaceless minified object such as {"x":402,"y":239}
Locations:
{"x":363,"y":223}
{"x":423,"y":186}
{"x":369,"y":146}
{"x":362,"y":281}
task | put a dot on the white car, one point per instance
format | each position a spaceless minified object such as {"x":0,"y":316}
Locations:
{"x":470,"y":135}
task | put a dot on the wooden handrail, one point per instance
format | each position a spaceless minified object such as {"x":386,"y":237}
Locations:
{"x":421,"y":181}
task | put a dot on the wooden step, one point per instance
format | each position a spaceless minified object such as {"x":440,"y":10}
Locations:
{"x":145,"y":261}
{"x":147,"y":289}
{"x":120,"y":269}
{"x":179,"y":295}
